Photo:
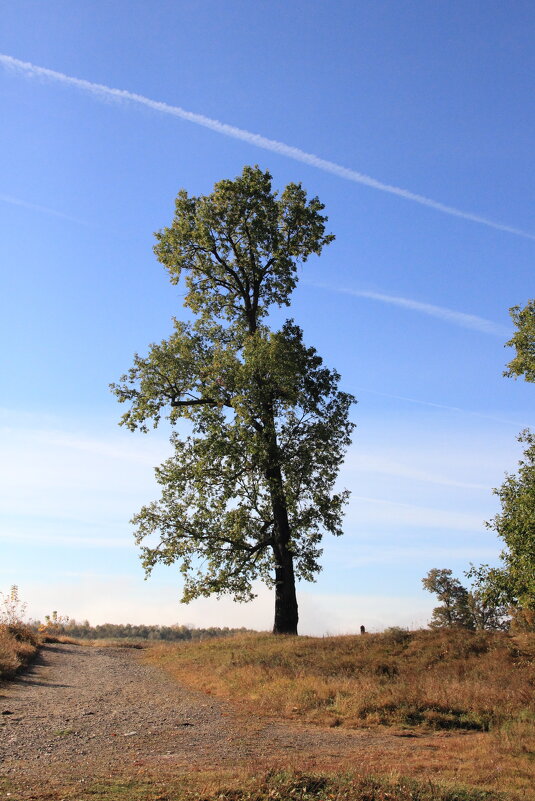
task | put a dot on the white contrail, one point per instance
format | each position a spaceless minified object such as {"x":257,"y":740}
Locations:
{"x":449,"y":315}
{"x":448,"y":408}
{"x":107,"y":93}
{"x":15,"y":201}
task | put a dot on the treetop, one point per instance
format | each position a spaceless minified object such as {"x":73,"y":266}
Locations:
{"x":240,"y":246}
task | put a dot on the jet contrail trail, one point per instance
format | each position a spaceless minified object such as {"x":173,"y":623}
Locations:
{"x":15,"y":201}
{"x":485,"y":416}
{"x":107,"y":93}
{"x":449,"y":315}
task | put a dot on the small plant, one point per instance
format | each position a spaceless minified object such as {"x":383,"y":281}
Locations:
{"x":396,"y":634}
{"x":62,"y":732}
{"x":12,"y":609}
{"x":18,"y":640}
{"x":54,"y":623}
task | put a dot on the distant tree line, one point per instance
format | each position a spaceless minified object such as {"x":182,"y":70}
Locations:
{"x":104,"y":631}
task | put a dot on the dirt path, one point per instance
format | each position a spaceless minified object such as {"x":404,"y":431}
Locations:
{"x":85,"y":712}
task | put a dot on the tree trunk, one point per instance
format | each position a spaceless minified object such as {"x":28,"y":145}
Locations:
{"x":286,"y":613}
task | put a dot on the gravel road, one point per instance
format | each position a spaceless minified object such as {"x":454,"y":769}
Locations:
{"x":83,"y":712}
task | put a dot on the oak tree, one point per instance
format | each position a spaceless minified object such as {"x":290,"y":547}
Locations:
{"x":249,"y":490}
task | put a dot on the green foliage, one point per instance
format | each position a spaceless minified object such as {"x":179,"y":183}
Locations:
{"x":216,"y":501}
{"x":515,"y":525}
{"x":248,"y":494}
{"x":514,"y":583}
{"x":523,"y":341}
{"x":454,"y":610}
{"x":240,"y":246}
{"x":462,"y":608}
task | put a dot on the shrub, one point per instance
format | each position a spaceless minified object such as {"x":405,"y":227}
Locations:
{"x":18,"y":640}
{"x":12,"y":609}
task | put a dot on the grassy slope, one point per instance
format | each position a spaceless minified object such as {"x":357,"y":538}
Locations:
{"x":439,"y":679}
{"x":474,"y":690}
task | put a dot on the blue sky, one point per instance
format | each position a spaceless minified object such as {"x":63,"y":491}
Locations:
{"x":433,"y":102}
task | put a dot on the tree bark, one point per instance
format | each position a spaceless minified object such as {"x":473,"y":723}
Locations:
{"x":286,"y":612}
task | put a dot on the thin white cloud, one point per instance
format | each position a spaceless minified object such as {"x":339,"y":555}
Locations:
{"x":103,"y":92}
{"x":14,"y":201}
{"x":394,"y":513}
{"x":365,"y":462}
{"x":69,"y":476}
{"x":460,"y":319}
{"x":388,"y":555}
{"x":433,"y":405}
{"x":122,"y":450}
{"x":40,"y":537}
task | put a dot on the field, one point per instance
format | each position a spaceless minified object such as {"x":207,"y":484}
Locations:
{"x":444,"y":679}
{"x":445,"y":715}
{"x":474,"y":691}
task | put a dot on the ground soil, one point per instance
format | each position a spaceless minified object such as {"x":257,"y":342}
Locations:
{"x":82,"y":713}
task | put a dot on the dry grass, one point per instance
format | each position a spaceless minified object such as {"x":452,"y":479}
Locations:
{"x":59,"y":638}
{"x":274,"y":785}
{"x":291,"y":786}
{"x":18,"y":645}
{"x":467,"y":697}
{"x":433,"y":679}
{"x":122,"y":642}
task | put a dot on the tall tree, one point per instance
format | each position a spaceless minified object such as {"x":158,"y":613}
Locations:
{"x":249,"y":492}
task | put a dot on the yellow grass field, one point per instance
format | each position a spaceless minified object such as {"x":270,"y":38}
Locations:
{"x":472,"y":694}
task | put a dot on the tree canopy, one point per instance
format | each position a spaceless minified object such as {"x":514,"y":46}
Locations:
{"x":249,"y":492}
{"x":462,"y":608}
{"x":514,"y":583}
{"x":523,"y":340}
{"x":515,"y":525}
